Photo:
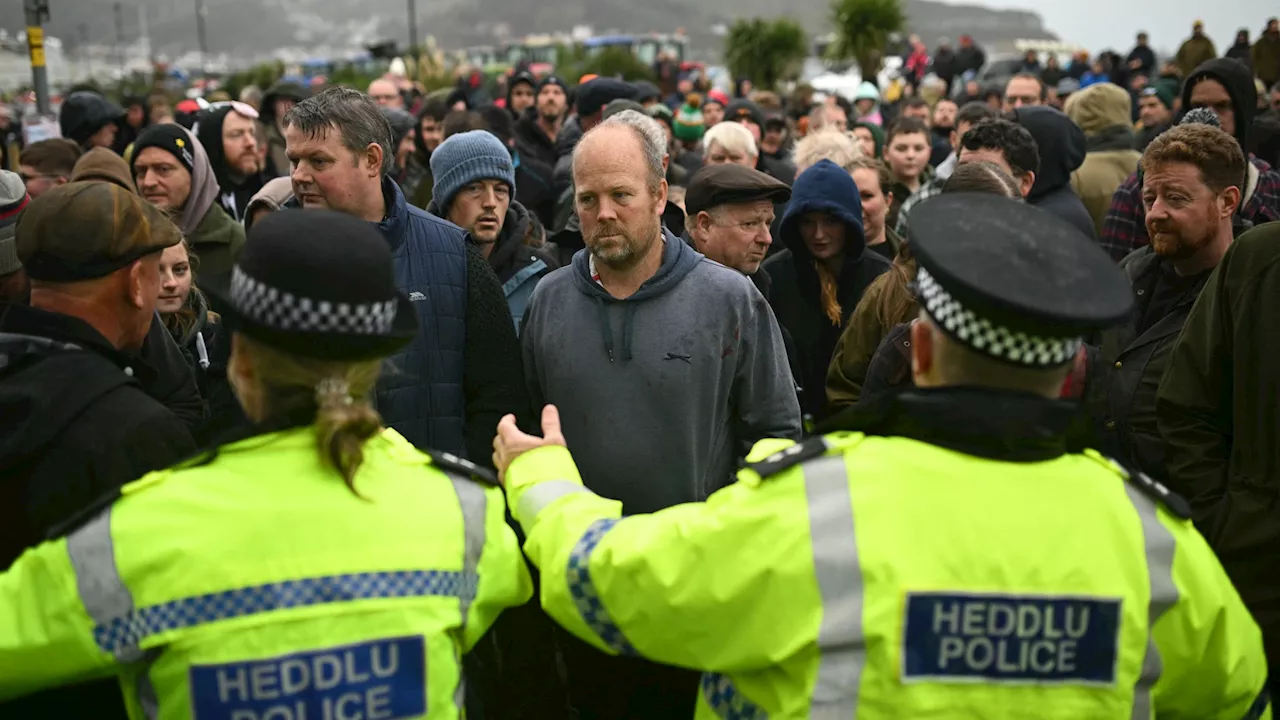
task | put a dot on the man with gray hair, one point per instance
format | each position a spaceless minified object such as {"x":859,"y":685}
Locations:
{"x":666,"y":367}
{"x":447,"y":390}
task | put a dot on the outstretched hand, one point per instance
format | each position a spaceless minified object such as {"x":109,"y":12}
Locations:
{"x":510,"y":443}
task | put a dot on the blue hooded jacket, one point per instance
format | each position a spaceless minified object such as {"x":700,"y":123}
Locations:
{"x":796,"y":293}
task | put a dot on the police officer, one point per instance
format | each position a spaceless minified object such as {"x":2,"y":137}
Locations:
{"x":950,"y":553}
{"x":322,"y":568}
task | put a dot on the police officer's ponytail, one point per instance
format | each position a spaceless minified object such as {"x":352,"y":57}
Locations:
{"x":343,"y":424}
{"x":335,"y":394}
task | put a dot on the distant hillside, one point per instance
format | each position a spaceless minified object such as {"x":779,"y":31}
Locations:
{"x":259,"y":26}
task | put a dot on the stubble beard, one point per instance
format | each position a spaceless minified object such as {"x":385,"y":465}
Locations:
{"x":630,"y":251}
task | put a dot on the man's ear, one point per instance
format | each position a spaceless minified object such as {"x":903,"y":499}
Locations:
{"x":373,"y":157}
{"x":135,"y":284}
{"x":1027,"y":182}
{"x":1229,"y":202}
{"x":921,"y":349}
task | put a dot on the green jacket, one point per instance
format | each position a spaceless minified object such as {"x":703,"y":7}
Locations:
{"x":1218,"y":415}
{"x":1266,"y":59}
{"x":217,"y":242}
{"x":1193,"y":52}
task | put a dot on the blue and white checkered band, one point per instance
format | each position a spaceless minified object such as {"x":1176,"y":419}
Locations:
{"x":987,"y":337}
{"x":282,"y":310}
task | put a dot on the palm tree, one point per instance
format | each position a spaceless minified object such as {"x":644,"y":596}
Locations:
{"x":862,"y":30}
{"x":765,"y":51}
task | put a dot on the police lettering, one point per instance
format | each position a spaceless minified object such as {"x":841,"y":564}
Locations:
{"x":1015,"y":638}
{"x":372,"y":681}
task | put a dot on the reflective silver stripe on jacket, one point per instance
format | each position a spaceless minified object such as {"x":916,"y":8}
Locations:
{"x":1160,"y":546}
{"x":536,"y":499}
{"x":473,"y":501}
{"x":835,"y":562}
{"x":106,"y":598}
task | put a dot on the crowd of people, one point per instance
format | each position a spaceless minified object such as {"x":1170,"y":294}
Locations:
{"x":828,"y":389}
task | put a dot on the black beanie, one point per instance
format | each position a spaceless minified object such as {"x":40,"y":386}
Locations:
{"x":168,"y":137}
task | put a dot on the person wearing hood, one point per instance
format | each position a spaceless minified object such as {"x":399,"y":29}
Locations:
{"x":1241,"y":49}
{"x":275,"y":103}
{"x":870,"y":137}
{"x":522,"y":94}
{"x":475,"y":181}
{"x":1102,"y":112}
{"x":172,"y":172}
{"x":205,"y":344}
{"x":1266,"y":54}
{"x":1061,"y":145}
{"x":228,"y":134}
{"x":666,"y":368}
{"x":819,"y":278}
{"x":1225,"y":89}
{"x":90,"y":120}
{"x":866,"y":101}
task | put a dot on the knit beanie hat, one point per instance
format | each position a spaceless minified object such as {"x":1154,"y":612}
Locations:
{"x":171,"y":138}
{"x":13,"y":199}
{"x":877,"y":135}
{"x":465,"y":158}
{"x":689,"y":125}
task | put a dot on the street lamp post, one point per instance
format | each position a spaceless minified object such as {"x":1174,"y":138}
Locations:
{"x":37,"y":12}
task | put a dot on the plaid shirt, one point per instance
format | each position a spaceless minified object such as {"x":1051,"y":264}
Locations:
{"x":1125,"y":230}
{"x":926,"y":191}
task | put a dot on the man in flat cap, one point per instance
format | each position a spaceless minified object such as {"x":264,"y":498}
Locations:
{"x":77,"y":423}
{"x":949,"y":547}
{"x":730,"y":209}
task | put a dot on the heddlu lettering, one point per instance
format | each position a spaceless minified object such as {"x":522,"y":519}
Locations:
{"x":1010,"y":638}
{"x":379,"y":680}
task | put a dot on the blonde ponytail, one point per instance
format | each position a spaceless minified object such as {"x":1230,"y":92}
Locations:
{"x":338,"y":391}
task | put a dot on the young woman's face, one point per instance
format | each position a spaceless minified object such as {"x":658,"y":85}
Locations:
{"x":175,"y":279}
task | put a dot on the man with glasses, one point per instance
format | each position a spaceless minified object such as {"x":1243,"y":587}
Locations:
{"x":228,"y":132}
{"x":47,"y":164}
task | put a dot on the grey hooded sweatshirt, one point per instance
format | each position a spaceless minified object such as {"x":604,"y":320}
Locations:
{"x":661,"y":394}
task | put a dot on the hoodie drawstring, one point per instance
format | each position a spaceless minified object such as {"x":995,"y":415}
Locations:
{"x":202,"y":351}
{"x":606,"y":326}
{"x":628,"y":314}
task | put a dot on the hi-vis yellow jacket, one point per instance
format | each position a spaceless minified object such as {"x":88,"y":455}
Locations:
{"x":259,"y":586}
{"x":883,"y":577}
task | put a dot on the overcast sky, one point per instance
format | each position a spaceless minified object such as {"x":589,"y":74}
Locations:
{"x":1101,"y":24}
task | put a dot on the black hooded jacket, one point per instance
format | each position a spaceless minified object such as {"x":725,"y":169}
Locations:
{"x":795,"y":292}
{"x":234,"y":192}
{"x":1062,"y":146}
{"x":1238,"y":81}
{"x":84,"y":113}
{"x":75,"y":424}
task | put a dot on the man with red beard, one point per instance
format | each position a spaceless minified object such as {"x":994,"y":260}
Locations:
{"x":1192,"y":181}
{"x":228,"y":133}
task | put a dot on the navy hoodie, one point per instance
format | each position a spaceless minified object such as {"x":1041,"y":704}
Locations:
{"x":662,"y":393}
{"x":796,"y":294}
{"x":1062,"y":146}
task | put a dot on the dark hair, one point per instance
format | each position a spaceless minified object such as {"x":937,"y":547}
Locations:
{"x":460,"y":121}
{"x":1215,"y":154}
{"x":972,"y":113}
{"x":55,"y":156}
{"x":915,"y":101}
{"x":1011,"y":139}
{"x":1032,"y":76}
{"x":499,"y":123}
{"x":434,"y":109}
{"x":982,"y":177}
{"x":992,"y":92}
{"x":905,"y":126}
{"x":356,"y":116}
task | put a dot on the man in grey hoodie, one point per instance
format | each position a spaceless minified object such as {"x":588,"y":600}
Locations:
{"x":666,"y":368}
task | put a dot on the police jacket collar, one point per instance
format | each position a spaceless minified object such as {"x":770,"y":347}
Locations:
{"x":1009,"y":426}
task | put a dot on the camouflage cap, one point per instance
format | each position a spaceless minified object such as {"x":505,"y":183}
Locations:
{"x":86,"y":230}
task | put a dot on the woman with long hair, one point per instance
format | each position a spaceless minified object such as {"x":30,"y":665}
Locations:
{"x":317,"y":566}
{"x":199,"y":333}
{"x":890,"y":302}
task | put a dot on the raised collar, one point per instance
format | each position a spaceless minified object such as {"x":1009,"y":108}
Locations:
{"x":27,"y":320}
{"x":1001,"y":425}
